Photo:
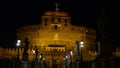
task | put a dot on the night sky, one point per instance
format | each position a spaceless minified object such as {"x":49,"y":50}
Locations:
{"x":17,"y":13}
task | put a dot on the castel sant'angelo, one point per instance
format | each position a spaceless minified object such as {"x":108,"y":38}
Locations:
{"x":54,"y":37}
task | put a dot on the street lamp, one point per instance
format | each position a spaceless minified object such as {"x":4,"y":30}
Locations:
{"x":81,"y":44}
{"x":43,"y":64}
{"x":43,"y":58}
{"x":33,"y":51}
{"x":33,"y":55}
{"x":18,"y":45}
{"x":66,"y":56}
{"x":71,"y":53}
{"x":65,"y":61}
{"x":40,"y":56}
{"x":77,"y":54}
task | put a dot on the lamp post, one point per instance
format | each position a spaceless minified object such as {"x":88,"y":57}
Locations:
{"x":43,"y":64}
{"x":33,"y":65}
{"x":18,"y":45}
{"x":36,"y":54}
{"x":64,"y":62}
{"x":40,"y":61}
{"x":40,"y":56}
{"x":81,"y":44}
{"x":71,"y":53}
{"x":33,"y":55}
{"x":77,"y":54}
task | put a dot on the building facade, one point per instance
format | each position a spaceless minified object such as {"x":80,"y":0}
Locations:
{"x":54,"y":37}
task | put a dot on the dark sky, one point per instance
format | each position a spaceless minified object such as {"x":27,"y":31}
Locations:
{"x":16,"y":13}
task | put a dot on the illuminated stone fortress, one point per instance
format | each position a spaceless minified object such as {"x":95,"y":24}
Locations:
{"x":54,"y":37}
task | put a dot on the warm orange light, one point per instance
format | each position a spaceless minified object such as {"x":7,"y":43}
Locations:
{"x":56,"y":13}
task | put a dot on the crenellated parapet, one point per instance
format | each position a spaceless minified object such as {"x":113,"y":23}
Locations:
{"x":12,"y":53}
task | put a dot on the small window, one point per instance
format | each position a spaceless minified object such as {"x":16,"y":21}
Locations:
{"x":65,"y":20}
{"x":56,"y":27}
{"x":65,"y":24}
{"x":38,"y":27}
{"x":45,"y":24}
{"x":45,"y":19}
{"x":58,"y":19}
{"x":52,"y":20}
{"x":72,"y":29}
